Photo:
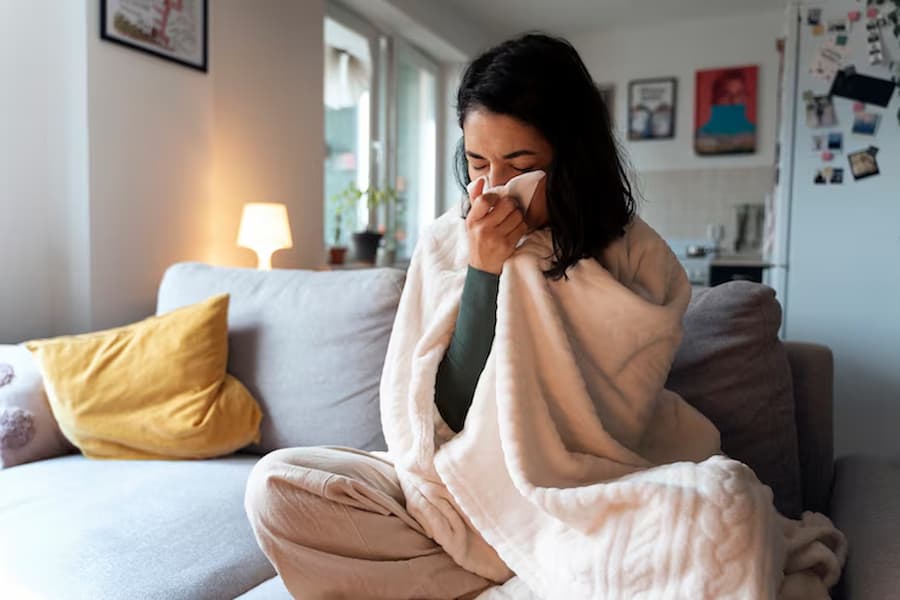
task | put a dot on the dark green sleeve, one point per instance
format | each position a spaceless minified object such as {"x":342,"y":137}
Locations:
{"x":467,"y":354}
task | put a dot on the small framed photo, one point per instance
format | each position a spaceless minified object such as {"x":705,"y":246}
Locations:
{"x":865,"y":123}
{"x":837,"y":176}
{"x":837,"y":25}
{"x":175,"y":30}
{"x":836,"y":141}
{"x":651,"y":109}
{"x":863,"y":163}
{"x":820,"y":113}
{"x":814,"y":16}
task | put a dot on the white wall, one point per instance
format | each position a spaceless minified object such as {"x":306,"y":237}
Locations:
{"x":71,"y":218}
{"x":43,"y":159}
{"x":678,"y":50}
{"x":433,"y":26}
{"x":451,"y":73}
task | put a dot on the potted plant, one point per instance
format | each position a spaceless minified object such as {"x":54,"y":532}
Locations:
{"x":344,"y":203}
{"x":365,"y":242}
{"x":393,"y":232}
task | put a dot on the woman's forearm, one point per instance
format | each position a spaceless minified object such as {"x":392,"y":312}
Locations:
{"x":467,"y":354}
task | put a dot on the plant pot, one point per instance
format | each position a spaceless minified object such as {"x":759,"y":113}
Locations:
{"x":365,"y":246}
{"x":386,"y":257}
{"x":337,"y":255}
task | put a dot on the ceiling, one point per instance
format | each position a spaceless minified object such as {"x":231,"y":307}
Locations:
{"x":568,"y":17}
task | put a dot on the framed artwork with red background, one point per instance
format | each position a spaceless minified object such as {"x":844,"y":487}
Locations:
{"x":725,"y":110}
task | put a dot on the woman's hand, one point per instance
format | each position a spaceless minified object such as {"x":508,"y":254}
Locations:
{"x":494,"y":225}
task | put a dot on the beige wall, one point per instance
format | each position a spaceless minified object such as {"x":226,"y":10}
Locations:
{"x":175,"y":153}
{"x":115,"y":164}
{"x":151,"y":136}
{"x":268,"y":143}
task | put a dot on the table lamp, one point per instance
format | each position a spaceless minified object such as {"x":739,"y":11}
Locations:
{"x":264,"y":229}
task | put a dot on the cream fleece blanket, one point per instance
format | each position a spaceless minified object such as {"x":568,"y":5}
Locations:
{"x":576,"y":470}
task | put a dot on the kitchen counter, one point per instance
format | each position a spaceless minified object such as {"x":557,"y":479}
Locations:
{"x":739,"y":260}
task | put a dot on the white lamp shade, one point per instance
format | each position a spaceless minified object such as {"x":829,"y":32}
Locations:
{"x":264,"y":228}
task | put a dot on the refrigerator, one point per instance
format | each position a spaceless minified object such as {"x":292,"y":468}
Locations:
{"x":835,"y":244}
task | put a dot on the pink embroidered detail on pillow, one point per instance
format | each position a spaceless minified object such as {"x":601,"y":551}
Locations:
{"x":28,"y":430}
{"x":6,"y":374}
{"x":16,"y":427}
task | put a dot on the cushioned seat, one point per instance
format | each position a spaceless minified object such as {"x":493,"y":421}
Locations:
{"x":79,"y":528}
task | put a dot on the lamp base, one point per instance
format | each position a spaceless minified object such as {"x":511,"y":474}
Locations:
{"x":264,"y":260}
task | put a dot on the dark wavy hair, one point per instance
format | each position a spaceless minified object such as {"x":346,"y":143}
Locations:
{"x":540,"y":80}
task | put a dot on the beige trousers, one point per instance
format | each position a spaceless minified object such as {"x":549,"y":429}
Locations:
{"x":333,"y":522}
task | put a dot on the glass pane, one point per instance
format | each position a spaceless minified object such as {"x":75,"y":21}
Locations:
{"x":348,"y":84}
{"x":416,"y":152}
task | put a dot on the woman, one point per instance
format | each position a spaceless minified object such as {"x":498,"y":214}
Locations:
{"x":334,"y":521}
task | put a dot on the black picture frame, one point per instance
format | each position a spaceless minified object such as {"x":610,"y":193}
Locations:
{"x":668,"y":83}
{"x":867,"y":166}
{"x":202,"y":66}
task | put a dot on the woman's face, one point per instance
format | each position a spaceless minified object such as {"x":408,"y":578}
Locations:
{"x":503,"y":147}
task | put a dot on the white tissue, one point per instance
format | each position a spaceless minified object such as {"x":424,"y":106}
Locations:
{"x":521,"y":187}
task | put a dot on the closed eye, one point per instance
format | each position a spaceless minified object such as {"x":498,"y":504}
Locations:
{"x":523,"y":170}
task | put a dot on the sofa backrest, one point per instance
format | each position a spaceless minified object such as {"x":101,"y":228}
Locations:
{"x":309,"y":346}
{"x":812,"y":372}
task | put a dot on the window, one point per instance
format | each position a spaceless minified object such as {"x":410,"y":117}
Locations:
{"x":415,"y":141}
{"x":349,"y":83}
{"x":381,"y":130}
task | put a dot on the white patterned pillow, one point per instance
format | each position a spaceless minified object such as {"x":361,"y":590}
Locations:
{"x":28,"y":430}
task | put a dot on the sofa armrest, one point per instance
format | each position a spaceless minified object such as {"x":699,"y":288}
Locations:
{"x":812,"y":372}
{"x":864,"y":507}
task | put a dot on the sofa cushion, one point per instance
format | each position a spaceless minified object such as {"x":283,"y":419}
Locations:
{"x":732,"y":367}
{"x":153,"y":389}
{"x":309,"y":346}
{"x":83,"y":529}
{"x":28,"y":429}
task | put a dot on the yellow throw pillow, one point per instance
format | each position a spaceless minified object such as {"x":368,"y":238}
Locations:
{"x":156,"y":389}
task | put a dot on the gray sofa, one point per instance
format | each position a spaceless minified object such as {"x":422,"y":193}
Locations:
{"x":310,"y":346}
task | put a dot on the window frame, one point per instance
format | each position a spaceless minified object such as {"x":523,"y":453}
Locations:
{"x":401,"y":49}
{"x":386,"y":47}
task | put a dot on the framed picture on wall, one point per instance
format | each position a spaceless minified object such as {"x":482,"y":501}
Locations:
{"x":725,"y":110}
{"x":651,"y":108}
{"x":172,"y":29}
